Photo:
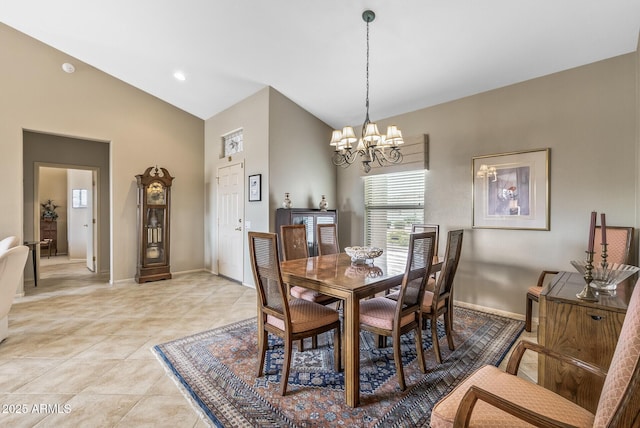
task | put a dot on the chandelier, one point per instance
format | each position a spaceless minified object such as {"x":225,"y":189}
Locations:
{"x":371,"y":146}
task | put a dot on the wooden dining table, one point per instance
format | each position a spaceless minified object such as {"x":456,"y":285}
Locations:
{"x":335,"y":275}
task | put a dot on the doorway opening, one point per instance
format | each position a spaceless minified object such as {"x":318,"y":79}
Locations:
{"x":72,"y":175}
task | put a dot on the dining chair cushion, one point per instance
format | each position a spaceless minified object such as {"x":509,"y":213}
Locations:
{"x":428,"y":300}
{"x":431,"y":284}
{"x":310,"y":295}
{"x":305,"y":316}
{"x":379,"y":312}
{"x":513,"y":389}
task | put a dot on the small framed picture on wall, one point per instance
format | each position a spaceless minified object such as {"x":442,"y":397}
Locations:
{"x":255,"y":187}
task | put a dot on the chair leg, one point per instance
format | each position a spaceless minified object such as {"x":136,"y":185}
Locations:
{"x":450,"y":309}
{"x":262,"y":349}
{"x":434,"y":339}
{"x":382,"y":341}
{"x":418,"y":338}
{"x":527,"y":317}
{"x":286,"y":366}
{"x":448,"y":329}
{"x":314,"y":341}
{"x":397,"y":356}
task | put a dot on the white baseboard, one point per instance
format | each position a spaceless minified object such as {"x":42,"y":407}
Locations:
{"x":489,"y":310}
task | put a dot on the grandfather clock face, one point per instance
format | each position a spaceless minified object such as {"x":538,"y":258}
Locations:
{"x":156,"y":194}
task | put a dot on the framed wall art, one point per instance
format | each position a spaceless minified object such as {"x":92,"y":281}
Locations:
{"x":511,"y":190}
{"x":255,"y":187}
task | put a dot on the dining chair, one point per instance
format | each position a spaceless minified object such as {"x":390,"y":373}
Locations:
{"x":290,"y":319}
{"x":491,"y":397}
{"x":327,"y":239}
{"x":294,"y":246}
{"x":620,"y":242}
{"x":387,"y":317}
{"x":440,"y":300}
{"x":428,"y":227}
{"x":294,"y":241}
{"x":422,"y":228}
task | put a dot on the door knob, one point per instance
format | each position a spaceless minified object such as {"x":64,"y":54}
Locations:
{"x":238,"y":228}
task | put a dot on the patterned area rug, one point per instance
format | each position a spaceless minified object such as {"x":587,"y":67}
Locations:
{"x":216,"y":370}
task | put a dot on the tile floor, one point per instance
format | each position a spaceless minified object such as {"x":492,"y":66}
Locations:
{"x":78,"y":351}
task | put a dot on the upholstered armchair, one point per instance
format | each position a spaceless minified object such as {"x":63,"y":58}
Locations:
{"x":8,"y":242}
{"x":12,"y":263}
{"x":491,"y":397}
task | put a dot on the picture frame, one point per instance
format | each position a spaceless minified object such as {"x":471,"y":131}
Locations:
{"x":511,"y":190}
{"x":255,"y":187}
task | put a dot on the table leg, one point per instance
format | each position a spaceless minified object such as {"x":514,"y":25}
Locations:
{"x":35,"y":271}
{"x":351,"y":351}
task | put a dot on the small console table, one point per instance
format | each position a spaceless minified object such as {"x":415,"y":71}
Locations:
{"x":32,"y":247}
{"x":586,"y":330}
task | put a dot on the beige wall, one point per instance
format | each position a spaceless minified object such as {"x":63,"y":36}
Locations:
{"x":252,"y":116}
{"x":89,"y":104}
{"x":285,"y":144}
{"x":299,"y":157}
{"x":587,"y":116}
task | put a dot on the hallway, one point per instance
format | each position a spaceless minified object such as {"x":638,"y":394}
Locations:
{"x":59,"y":274}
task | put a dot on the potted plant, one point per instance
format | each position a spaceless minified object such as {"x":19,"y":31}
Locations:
{"x":49,"y":210}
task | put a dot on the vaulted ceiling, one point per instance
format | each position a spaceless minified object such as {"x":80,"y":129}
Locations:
{"x":422,"y":52}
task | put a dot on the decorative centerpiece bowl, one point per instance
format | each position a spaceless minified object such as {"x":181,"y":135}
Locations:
{"x":607,"y":277}
{"x":363,"y":254}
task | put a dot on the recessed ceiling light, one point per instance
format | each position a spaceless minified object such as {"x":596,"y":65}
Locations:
{"x":68,"y":68}
{"x":180,"y":76}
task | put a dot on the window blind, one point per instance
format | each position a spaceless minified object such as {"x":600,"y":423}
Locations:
{"x":393,"y":202}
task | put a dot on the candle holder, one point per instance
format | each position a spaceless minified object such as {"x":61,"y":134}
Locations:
{"x":606,"y":276}
{"x":587,"y":293}
{"x":603,"y":262}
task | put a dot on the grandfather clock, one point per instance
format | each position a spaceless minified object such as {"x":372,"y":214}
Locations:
{"x":154,"y":204}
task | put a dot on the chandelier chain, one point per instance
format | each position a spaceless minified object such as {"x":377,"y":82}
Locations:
{"x":366,"y":119}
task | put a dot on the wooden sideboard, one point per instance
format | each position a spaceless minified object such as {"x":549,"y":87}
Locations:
{"x":49,"y":235}
{"x":586,"y":330}
{"x":310,"y":218}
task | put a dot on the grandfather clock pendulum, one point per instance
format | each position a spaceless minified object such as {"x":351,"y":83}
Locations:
{"x":154,"y":203}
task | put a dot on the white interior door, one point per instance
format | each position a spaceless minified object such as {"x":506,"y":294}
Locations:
{"x":230,"y":221}
{"x":91,"y":224}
